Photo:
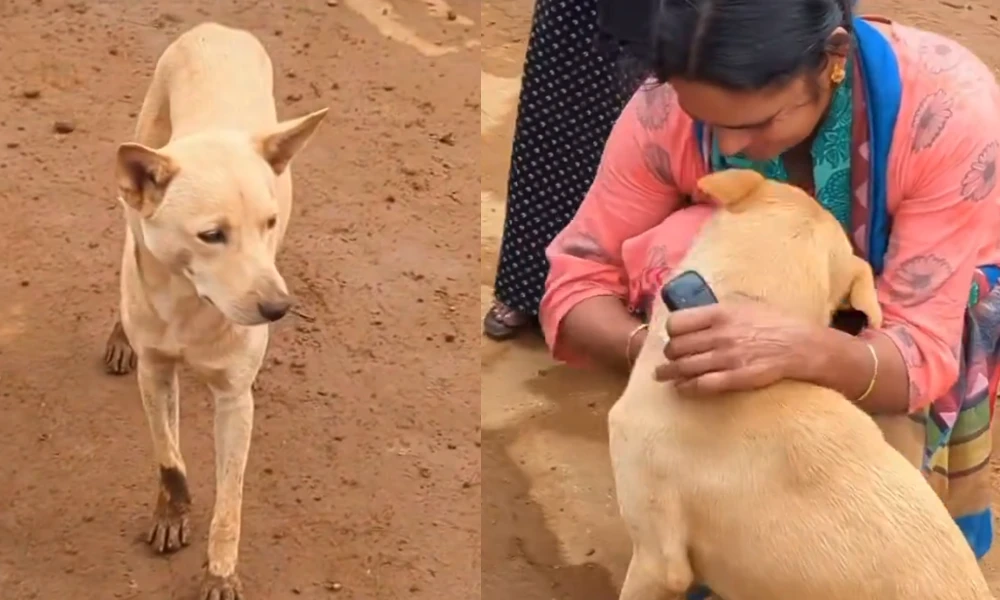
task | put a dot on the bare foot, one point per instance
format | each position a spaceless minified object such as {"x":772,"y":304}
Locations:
{"x":171,"y":531}
{"x":119,"y":358}
{"x":221,"y":588}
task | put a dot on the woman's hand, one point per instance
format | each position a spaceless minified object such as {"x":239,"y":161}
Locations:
{"x":733,"y":347}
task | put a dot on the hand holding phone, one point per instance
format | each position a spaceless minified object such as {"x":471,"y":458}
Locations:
{"x":687,"y":290}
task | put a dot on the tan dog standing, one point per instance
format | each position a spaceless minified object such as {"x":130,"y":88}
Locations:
{"x":207,"y":193}
{"x":790,"y":492}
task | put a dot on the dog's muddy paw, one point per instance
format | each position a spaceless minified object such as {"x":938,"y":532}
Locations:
{"x":171,"y":529}
{"x":221,"y":588}
{"x":119,"y":357}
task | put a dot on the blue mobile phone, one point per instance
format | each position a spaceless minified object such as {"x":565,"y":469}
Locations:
{"x":687,"y":290}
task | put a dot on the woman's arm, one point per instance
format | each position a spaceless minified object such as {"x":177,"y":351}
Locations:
{"x":948,"y":216}
{"x":583,"y":312}
{"x":844,"y":363}
{"x":600,"y":328}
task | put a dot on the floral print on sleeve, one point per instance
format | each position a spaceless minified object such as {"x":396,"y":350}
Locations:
{"x":946,"y":160}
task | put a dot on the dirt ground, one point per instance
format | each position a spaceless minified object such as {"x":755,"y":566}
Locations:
{"x":550,"y":524}
{"x":364,"y":476}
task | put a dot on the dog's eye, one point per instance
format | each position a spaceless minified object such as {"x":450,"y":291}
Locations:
{"x":213,"y":236}
{"x":272,"y":222}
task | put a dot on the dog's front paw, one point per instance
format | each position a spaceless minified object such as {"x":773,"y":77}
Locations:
{"x":170,"y":531}
{"x":171,"y":528}
{"x":221,"y":588}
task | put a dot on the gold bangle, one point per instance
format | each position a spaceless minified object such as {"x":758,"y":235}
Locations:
{"x":871,"y":384}
{"x":631,"y":338}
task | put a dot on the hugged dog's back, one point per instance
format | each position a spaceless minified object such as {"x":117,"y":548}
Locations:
{"x":789,"y":494}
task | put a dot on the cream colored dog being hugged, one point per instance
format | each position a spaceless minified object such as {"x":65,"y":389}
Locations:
{"x":790,"y":492}
{"x":207,"y":193}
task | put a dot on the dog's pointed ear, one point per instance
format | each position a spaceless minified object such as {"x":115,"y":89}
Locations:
{"x":282,"y":143}
{"x":862,"y":295}
{"x":142,"y":175}
{"x":730,"y":187}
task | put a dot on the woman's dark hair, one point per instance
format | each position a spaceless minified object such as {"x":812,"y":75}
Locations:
{"x":742,"y":44}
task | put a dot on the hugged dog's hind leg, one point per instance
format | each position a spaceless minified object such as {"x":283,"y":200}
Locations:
{"x":233,"y":427}
{"x":158,"y":385}
{"x":646,"y":579}
{"x":119,"y":357}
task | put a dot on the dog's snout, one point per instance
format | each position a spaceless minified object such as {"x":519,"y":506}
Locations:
{"x":274,"y":310}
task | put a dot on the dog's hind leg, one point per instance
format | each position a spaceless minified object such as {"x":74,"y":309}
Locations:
{"x":233,"y":427}
{"x":653,"y":578}
{"x":119,"y":357}
{"x":158,"y":385}
{"x":152,"y":129}
{"x":641,"y":584}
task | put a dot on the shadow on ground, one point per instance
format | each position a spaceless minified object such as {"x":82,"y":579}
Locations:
{"x":550,"y":524}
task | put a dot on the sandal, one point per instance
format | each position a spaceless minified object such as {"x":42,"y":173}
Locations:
{"x":502,"y":322}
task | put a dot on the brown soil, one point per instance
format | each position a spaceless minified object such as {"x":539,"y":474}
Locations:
{"x":550,"y":525}
{"x":364,"y":474}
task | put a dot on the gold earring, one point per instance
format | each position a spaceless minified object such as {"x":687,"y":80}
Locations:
{"x":838,"y":74}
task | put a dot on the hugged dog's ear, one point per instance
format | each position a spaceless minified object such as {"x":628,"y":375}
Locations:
{"x":280,"y":145}
{"x":730,"y":187}
{"x":142,"y":175}
{"x":862,"y":295}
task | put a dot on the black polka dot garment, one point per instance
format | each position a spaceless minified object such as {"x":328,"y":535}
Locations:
{"x":572,"y":92}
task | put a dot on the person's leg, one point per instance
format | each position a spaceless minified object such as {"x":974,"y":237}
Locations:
{"x":571,"y":95}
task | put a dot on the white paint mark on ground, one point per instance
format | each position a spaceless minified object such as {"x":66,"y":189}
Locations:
{"x":384,"y":17}
{"x":499,"y":97}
